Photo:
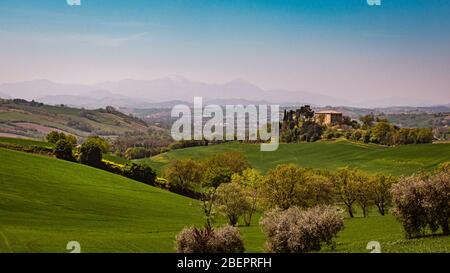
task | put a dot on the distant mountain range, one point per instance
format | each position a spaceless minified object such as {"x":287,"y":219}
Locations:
{"x":165,"y":91}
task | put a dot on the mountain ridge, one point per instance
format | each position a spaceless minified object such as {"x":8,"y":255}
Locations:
{"x":142,"y":93}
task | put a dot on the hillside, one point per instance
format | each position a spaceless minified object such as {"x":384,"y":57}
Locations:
{"x":330,"y":155}
{"x":20,"y":118}
{"x":45,"y":202}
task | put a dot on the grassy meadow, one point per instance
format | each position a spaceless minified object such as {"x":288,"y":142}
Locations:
{"x":329,"y":155}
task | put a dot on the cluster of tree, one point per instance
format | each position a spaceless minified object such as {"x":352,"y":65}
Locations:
{"x":189,"y":174}
{"x":141,"y":152}
{"x":64,"y":144}
{"x":380,"y":131}
{"x":187,"y":143}
{"x":354,"y":187}
{"x":54,"y":136}
{"x":422,"y":202}
{"x":386,"y":134}
{"x":91,"y":153}
{"x":209,"y":180}
{"x":300,"y":216}
{"x":299,"y":125}
{"x":24,"y":102}
{"x":150,"y":143}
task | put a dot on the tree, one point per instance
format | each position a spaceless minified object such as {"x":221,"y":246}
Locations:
{"x":184,"y":174}
{"x":71,"y":139}
{"x":214,"y":176}
{"x":318,"y":189}
{"x":250,"y":181}
{"x":383,"y":133}
{"x":363,"y":192}
{"x":437,"y":202}
{"x":54,"y":136}
{"x":367,"y":120}
{"x":295,"y":230}
{"x":91,"y":154}
{"x":345,"y":180}
{"x":381,"y":186}
{"x":208,"y":196}
{"x":232,"y":202}
{"x":306,"y":112}
{"x":140,"y":172}
{"x":63,"y":150}
{"x":100,"y":142}
{"x":422,"y":203}
{"x":425,"y":135}
{"x":282,"y":186}
{"x":310,"y":131}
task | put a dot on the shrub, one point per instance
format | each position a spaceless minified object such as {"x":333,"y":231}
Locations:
{"x":295,"y":230}
{"x":63,"y":150}
{"x":423,"y":201}
{"x":139,"y":172}
{"x":208,"y":240}
{"x":54,"y":137}
{"x":112,"y":167}
{"x":91,"y":154}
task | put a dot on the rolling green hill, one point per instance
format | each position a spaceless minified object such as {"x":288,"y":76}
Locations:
{"x":330,"y":155}
{"x":45,"y":202}
{"x":26,"y":142}
{"x":35,"y":120}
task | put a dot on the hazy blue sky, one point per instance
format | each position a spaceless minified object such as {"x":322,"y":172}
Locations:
{"x":339,"y":47}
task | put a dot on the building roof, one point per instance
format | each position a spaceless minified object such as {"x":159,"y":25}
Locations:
{"x":328,"y":112}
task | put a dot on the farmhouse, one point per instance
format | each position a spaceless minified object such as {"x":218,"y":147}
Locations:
{"x":328,"y":117}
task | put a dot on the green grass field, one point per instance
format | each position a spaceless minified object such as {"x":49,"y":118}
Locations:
{"x":330,"y":155}
{"x":45,"y":202}
{"x":26,"y":142}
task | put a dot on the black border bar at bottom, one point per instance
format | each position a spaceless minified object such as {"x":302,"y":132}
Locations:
{"x":225,"y":262}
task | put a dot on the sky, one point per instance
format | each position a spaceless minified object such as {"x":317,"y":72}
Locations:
{"x":342,"y":48}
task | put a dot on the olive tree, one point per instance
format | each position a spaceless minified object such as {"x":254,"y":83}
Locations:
{"x":232,"y":202}
{"x":296,"y":230}
{"x":345,"y":180}
{"x":381,"y":185}
{"x":250,"y":181}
